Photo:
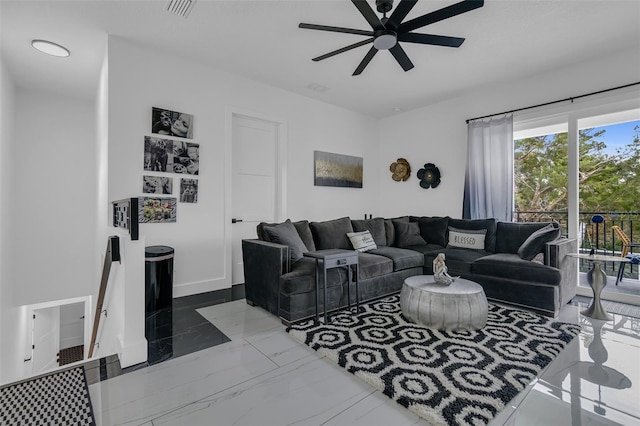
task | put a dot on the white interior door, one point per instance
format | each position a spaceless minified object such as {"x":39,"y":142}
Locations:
{"x":255,"y":183}
{"x":71,"y":325}
{"x":46,"y":339}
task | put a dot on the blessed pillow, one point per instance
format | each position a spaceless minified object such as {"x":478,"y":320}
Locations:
{"x":467,"y":238}
{"x":362,"y":241}
{"x":285,"y":233}
{"x":489,"y":225}
{"x":407,"y":234}
{"x":536,"y":241}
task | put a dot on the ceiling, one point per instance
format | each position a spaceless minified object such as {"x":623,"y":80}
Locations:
{"x":505,"y":40}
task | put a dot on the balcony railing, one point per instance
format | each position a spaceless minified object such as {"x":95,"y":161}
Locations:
{"x":593,"y":235}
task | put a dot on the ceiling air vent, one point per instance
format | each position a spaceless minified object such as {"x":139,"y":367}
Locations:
{"x":180,"y":7}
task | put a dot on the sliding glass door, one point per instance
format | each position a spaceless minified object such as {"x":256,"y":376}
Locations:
{"x":580,"y":165}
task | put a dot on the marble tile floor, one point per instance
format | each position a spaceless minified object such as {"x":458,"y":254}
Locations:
{"x":184,"y":331}
{"x":264,"y":377}
{"x":630,"y":284}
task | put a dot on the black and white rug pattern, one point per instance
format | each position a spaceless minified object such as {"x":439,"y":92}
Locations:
{"x":445,"y":377}
{"x":56,"y":399}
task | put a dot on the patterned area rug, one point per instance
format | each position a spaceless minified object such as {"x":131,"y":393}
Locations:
{"x":447,"y":378}
{"x":56,"y":399}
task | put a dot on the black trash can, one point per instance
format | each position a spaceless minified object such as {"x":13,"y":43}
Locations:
{"x":158,"y":271}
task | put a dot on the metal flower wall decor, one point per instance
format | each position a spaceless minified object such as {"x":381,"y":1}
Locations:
{"x":429,"y":176}
{"x":400,"y":169}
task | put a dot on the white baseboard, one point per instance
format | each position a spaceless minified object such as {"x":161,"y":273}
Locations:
{"x":187,"y":289}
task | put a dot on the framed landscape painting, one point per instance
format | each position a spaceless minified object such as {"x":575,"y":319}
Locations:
{"x":337,"y":170}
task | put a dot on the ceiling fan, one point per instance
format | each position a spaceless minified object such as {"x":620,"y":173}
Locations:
{"x":388,"y":32}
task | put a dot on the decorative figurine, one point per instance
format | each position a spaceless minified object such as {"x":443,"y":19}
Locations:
{"x":440,"y":274}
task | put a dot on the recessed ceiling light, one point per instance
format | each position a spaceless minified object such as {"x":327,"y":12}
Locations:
{"x":50,"y":48}
{"x":397,"y":109}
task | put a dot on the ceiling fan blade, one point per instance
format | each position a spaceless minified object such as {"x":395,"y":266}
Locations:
{"x":398,"y":52}
{"x":365,"y":61}
{"x":439,"y":15}
{"x":436,"y":40}
{"x":335,"y":29}
{"x":344,"y":49}
{"x":368,"y":14}
{"x":399,"y":13}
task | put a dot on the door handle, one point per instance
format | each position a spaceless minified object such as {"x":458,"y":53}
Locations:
{"x":234,"y":220}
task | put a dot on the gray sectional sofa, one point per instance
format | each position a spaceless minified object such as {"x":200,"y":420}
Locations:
{"x":522,"y":264}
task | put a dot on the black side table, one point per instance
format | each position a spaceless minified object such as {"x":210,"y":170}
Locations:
{"x":334,"y":258}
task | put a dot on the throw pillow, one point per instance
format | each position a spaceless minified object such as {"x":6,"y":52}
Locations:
{"x":304,"y":231}
{"x":390,"y":230}
{"x":467,"y":238}
{"x":285,"y":233}
{"x":538,"y":258}
{"x":536,"y":241}
{"x":434,"y":229}
{"x":407,"y":234}
{"x":374,"y":226}
{"x":332,"y":234}
{"x":362,"y":241}
{"x":489,"y":225}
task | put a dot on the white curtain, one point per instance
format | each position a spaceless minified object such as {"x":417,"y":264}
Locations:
{"x":488,"y":188}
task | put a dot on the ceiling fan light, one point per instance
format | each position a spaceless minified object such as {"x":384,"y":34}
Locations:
{"x":385,"y":41}
{"x":50,"y":48}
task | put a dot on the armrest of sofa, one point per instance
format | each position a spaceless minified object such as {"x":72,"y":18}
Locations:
{"x":556,"y":256}
{"x":264,"y":264}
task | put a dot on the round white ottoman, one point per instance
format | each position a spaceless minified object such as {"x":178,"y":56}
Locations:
{"x":459,"y":306}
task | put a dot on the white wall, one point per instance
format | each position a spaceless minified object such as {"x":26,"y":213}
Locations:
{"x":140,"y":79}
{"x":438,"y":133}
{"x":8,"y":315}
{"x":48,"y":177}
{"x":54,"y":180}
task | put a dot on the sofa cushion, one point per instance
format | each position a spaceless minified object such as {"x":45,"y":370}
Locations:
{"x":511,"y":266}
{"x":475,"y":224}
{"x":434,"y":229}
{"x":375,"y":226}
{"x":511,"y":235}
{"x":407,"y":234}
{"x":332,"y":234}
{"x":425,"y":248}
{"x":390,"y":230}
{"x":472,"y":239}
{"x":285,"y":233}
{"x":536,"y":241}
{"x":302,"y":277}
{"x":371,"y":265}
{"x":302,"y":226}
{"x":402,"y":258}
{"x":361,"y":241}
{"x":458,"y":260}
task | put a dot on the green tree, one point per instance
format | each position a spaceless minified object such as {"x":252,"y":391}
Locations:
{"x":607,"y":182}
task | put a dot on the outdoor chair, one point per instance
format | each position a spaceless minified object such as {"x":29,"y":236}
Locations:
{"x":627,"y":245}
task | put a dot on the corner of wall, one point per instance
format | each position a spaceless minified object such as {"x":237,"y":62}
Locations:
{"x":7,"y":107}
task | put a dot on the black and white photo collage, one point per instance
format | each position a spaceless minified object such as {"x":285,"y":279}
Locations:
{"x":171,"y":150}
